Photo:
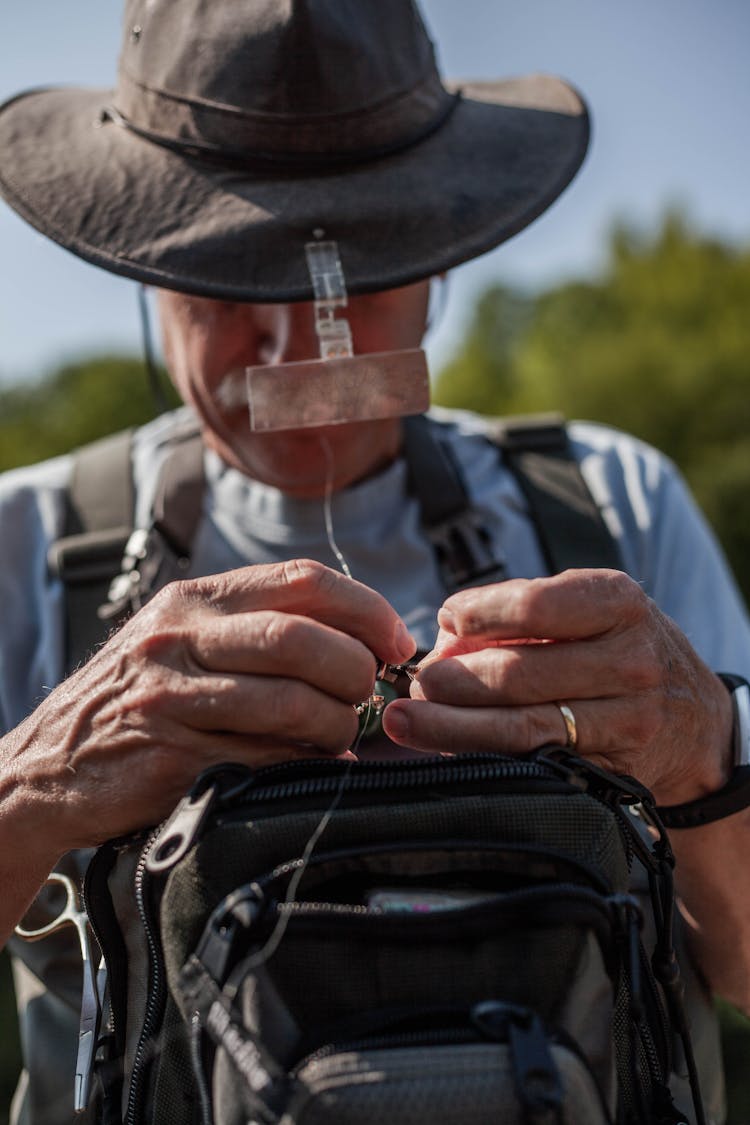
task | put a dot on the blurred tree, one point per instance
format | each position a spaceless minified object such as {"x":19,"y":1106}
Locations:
{"x":659,"y":345}
{"x":75,"y":404}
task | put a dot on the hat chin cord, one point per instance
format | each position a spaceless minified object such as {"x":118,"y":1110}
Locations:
{"x":149,"y":359}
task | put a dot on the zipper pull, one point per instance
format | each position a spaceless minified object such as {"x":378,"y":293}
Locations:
{"x":177,"y":835}
{"x":231,"y":921}
{"x":537,"y":1078}
{"x":612,"y":788}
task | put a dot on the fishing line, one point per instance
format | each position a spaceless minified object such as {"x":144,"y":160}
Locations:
{"x":277,"y":934}
{"x":328,"y":506}
{"x":267,"y":951}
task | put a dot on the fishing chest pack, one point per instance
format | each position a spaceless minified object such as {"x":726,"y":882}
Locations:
{"x":449,"y":941}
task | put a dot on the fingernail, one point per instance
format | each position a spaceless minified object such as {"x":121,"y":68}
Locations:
{"x":395,"y":723}
{"x":446,"y":620}
{"x":404,"y":641}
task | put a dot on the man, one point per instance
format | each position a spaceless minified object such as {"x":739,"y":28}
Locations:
{"x":227,"y":150}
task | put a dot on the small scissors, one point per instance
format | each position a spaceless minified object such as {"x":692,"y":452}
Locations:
{"x":93,"y":986}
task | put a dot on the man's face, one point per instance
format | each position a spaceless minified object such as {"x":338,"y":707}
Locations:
{"x":205,"y":339}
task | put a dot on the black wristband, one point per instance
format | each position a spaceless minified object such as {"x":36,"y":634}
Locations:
{"x":731,"y":798}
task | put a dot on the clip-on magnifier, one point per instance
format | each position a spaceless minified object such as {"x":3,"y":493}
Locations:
{"x":340,"y":386}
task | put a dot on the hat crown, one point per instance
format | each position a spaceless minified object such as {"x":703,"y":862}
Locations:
{"x":239,"y":128}
{"x":300,"y":57}
{"x":262,"y":75}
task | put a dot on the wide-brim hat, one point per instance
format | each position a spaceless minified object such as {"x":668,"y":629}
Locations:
{"x":241,"y":129}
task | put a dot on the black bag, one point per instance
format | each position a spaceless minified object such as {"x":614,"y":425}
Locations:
{"x":446,"y":940}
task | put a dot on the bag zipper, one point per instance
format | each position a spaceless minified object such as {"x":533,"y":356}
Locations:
{"x":157,"y":990}
{"x":105,"y":923}
{"x":219,"y":790}
{"x":245,"y":915}
{"x":385,"y":923}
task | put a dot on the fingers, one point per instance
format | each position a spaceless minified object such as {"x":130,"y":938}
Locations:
{"x":271,"y":644}
{"x":437,"y":728}
{"x":643,"y":701}
{"x":278,"y":709}
{"x":538,"y":673}
{"x":574,"y":604}
{"x":611,"y":734}
{"x":308,"y":588}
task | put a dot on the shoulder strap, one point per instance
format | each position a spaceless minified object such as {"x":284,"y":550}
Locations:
{"x":567,"y":520}
{"x":98,"y":523}
{"x":571,"y":530}
{"x":99,"y":547}
{"x":460,"y":541}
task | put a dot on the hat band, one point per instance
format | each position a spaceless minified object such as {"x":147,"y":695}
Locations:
{"x":198,"y":124}
{"x":244,"y":158}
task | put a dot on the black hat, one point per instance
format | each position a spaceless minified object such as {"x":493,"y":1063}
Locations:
{"x":240,"y":128}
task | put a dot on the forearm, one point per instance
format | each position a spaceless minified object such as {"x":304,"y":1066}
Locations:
{"x":713,"y":882}
{"x":27,"y":852}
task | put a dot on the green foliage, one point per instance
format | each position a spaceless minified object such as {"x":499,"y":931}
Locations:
{"x":75,"y":404}
{"x":659,"y":346}
{"x":735,"y":1040}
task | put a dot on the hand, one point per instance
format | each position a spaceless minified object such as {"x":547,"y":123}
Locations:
{"x":643,"y":701}
{"x":253,"y":666}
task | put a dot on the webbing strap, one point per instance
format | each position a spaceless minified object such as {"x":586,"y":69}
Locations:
{"x":568,"y":522}
{"x":462,"y":546}
{"x":537,"y":450}
{"x":179,"y":493}
{"x":433,"y":476}
{"x":99,"y":524}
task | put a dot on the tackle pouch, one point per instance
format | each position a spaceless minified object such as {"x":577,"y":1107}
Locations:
{"x":448,"y":940}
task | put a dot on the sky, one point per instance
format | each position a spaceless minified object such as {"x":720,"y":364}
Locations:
{"x":667,"y":81}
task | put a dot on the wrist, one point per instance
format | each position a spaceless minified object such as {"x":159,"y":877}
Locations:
{"x":732,"y":795}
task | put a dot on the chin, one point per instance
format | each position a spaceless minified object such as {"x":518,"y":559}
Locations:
{"x":302,"y":462}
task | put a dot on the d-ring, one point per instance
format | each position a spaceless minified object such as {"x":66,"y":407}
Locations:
{"x":571,"y":730}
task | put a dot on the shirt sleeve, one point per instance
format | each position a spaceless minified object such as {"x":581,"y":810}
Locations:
{"x":31,"y":641}
{"x":666,"y":543}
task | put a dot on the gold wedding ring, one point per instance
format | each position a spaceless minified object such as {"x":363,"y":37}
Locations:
{"x":571,"y":731}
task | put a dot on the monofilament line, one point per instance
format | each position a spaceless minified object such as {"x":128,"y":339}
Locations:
{"x":328,"y":506}
{"x":279,"y":929}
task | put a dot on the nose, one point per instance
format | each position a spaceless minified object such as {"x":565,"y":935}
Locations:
{"x":289,"y":334}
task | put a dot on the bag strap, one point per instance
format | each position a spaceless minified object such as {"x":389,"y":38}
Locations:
{"x":568,"y":521}
{"x":98,"y":521}
{"x":537,"y":450}
{"x":104,"y":564}
{"x":462,"y":546}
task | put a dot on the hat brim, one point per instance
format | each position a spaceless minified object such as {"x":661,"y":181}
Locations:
{"x":140,"y":210}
